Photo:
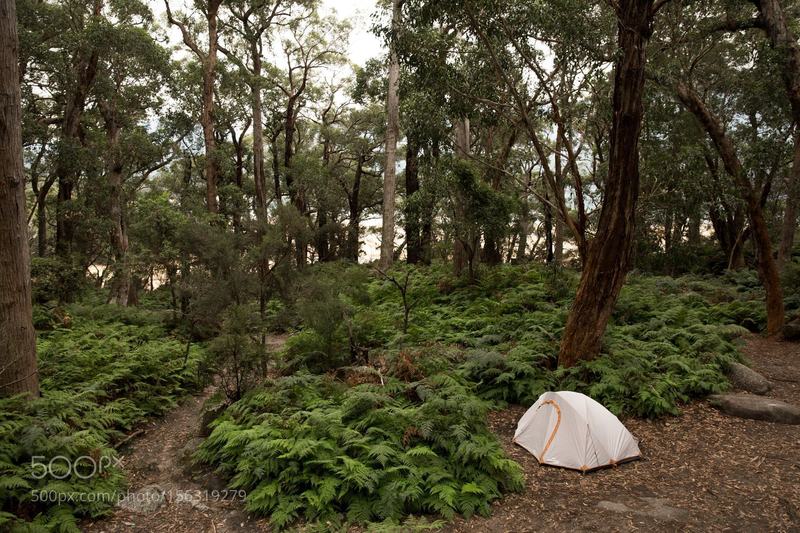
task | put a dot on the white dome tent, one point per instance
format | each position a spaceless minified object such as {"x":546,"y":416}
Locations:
{"x":571,"y":430}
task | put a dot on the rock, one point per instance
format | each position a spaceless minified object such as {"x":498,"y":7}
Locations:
{"x":657,"y":508}
{"x":146,"y":500}
{"x":791,"y":330}
{"x":210,"y":413}
{"x":756,"y":408}
{"x":749,"y":380}
{"x":185,"y":454}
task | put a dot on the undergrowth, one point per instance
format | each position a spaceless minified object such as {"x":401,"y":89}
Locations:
{"x":109,"y":370}
{"x":310,"y":447}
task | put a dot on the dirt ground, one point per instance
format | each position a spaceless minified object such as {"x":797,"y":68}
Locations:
{"x":702,"y":471}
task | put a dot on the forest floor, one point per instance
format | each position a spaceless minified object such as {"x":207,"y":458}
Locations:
{"x":701,"y":470}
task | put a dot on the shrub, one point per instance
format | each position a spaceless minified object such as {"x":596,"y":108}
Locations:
{"x":307,"y":446}
{"x":53,"y":279}
{"x":99,"y":378}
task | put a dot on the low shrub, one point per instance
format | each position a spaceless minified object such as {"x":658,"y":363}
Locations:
{"x":308,"y":446}
{"x":99,"y":378}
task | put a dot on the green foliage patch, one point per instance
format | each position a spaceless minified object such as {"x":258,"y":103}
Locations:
{"x":309,"y":447}
{"x":669,"y":339}
{"x":107,"y":372}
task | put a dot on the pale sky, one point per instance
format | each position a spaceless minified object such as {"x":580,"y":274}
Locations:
{"x":363,"y":44}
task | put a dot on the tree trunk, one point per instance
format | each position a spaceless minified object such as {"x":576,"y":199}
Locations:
{"x":296,"y":193}
{"x":782,"y":39}
{"x":121,"y":281}
{"x":412,"y":211}
{"x":392,"y":132}
{"x":207,"y":111}
{"x":354,"y":222}
{"x":41,"y":221}
{"x":462,"y":149}
{"x":767,"y":267}
{"x":609,"y":256}
{"x":693,"y":234}
{"x":790,"y":210}
{"x":323,"y":240}
{"x":18,"y":369}
{"x":548,"y":230}
{"x":258,"y":138}
{"x":558,"y":235}
{"x":669,"y":217}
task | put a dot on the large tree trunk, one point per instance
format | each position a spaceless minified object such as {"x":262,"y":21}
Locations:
{"x":412,"y":211}
{"x":609,"y":256}
{"x":782,"y":39}
{"x":767,"y":267}
{"x":392,"y":132}
{"x":18,"y":370}
{"x":121,"y":281}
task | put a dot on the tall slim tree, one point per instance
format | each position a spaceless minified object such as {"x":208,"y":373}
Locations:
{"x":392,"y":132}
{"x":252,"y":21}
{"x":610,"y":252}
{"x":767,"y":267}
{"x":18,"y":370}
{"x":82,"y":76}
{"x":208,"y":63}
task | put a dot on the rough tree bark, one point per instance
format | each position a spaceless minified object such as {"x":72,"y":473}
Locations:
{"x":354,"y":218}
{"x":412,"y":214}
{"x":208,"y":62}
{"x":18,"y":369}
{"x":773,"y":21}
{"x":392,"y":132}
{"x":609,"y":255}
{"x":767,"y":267}
{"x":121,"y":282}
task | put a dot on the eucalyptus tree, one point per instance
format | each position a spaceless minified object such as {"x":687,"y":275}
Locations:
{"x":251,"y":24}
{"x":131,"y":75}
{"x":61,"y":46}
{"x":728,"y":85}
{"x":18,"y":367}
{"x":206,"y":53}
{"x":776,"y":22}
{"x":309,"y":45}
{"x":610,"y":252}
{"x":392,"y":132}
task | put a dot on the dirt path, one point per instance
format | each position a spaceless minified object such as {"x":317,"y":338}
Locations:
{"x":181,"y":498}
{"x":703,"y":471}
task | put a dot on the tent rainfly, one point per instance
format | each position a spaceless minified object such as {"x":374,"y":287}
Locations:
{"x":571,"y":430}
